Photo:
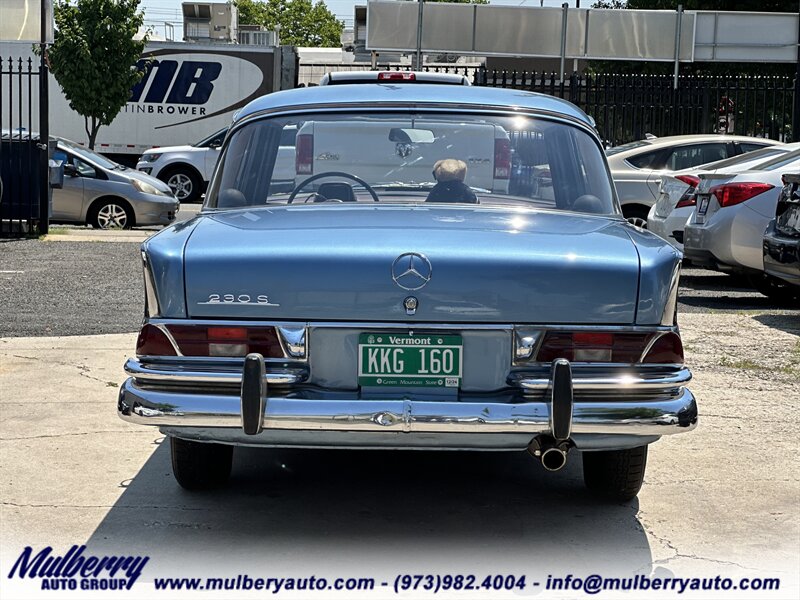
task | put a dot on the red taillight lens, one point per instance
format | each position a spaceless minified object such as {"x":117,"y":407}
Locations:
{"x":304,"y":154}
{"x":502,"y":158}
{"x":689,"y":180}
{"x":396,"y":76}
{"x":200,"y":340}
{"x":593,"y":346}
{"x":731,"y":194}
{"x":668,"y":349}
{"x":154,"y":342}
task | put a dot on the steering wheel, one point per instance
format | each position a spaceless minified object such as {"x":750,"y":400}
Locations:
{"x":305,"y":182}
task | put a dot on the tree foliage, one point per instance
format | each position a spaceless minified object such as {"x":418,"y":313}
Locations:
{"x":302,"y":22}
{"x":94,"y":55}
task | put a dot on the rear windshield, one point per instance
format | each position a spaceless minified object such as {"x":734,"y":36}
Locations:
{"x":413,"y":158}
{"x":778,"y":162}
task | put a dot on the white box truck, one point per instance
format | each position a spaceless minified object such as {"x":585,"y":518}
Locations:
{"x":188,"y":92}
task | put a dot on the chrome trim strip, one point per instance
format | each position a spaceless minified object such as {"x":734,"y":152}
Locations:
{"x":177,"y":373}
{"x":421,"y":325}
{"x":622,"y":382}
{"x":669,"y":316}
{"x":151,"y":298}
{"x":339,"y":412}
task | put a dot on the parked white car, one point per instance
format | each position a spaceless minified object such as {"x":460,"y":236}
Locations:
{"x":637,"y":167}
{"x":187,"y":169}
{"x":676,"y":192}
{"x":733,"y":210}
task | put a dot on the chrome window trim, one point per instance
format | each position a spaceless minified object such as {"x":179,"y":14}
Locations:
{"x":446,"y":107}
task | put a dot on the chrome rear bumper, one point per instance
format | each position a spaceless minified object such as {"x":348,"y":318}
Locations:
{"x":209,"y":405}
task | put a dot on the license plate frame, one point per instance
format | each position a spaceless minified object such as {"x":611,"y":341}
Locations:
{"x":430,"y":360}
{"x":702,"y":205}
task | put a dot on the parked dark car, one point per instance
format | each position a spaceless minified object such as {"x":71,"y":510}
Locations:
{"x":782,"y":238}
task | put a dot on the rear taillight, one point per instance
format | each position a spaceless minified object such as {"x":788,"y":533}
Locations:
{"x":609,"y":347}
{"x":304,"y":154}
{"x":211,"y":340}
{"x":688,"y":198}
{"x":396,"y":76}
{"x":668,"y":349}
{"x":731,"y":194}
{"x":154,"y":342}
{"x":502,"y":158}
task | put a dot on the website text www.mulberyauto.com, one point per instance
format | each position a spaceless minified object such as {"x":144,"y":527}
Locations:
{"x":433,"y":583}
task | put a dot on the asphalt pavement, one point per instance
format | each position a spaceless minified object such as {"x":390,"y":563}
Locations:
{"x":84,"y":288}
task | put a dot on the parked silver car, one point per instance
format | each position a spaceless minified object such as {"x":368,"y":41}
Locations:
{"x":107,"y":195}
{"x":727,"y":229}
{"x":637,"y":167}
{"x":677,"y":191}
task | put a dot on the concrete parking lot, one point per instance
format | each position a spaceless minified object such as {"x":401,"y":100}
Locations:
{"x":722,"y":500}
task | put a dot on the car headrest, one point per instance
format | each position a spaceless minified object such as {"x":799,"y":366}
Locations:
{"x":588,"y":204}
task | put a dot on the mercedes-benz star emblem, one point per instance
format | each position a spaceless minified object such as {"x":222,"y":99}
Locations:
{"x":411,"y":271}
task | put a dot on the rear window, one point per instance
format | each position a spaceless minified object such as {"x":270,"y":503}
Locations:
{"x":645,"y":160}
{"x":777,"y":162}
{"x":413,"y":158}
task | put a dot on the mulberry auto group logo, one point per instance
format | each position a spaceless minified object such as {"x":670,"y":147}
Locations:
{"x":78,"y":570}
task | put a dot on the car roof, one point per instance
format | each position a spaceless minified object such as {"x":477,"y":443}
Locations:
{"x":671,"y":140}
{"x":419,"y":94}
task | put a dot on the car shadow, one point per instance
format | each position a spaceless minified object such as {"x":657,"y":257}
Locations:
{"x":788,"y":323}
{"x":355,"y":512}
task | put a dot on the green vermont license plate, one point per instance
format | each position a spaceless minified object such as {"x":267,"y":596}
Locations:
{"x":429,"y":360}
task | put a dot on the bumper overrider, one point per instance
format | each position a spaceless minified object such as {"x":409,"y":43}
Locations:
{"x":256,"y":402}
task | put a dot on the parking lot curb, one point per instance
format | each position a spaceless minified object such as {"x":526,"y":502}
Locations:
{"x":136,"y":237}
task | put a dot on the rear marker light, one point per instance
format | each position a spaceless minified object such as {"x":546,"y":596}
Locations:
{"x":502,"y":159}
{"x":304,"y":154}
{"x":610,"y":347}
{"x":154,"y":342}
{"x":731,"y":194}
{"x":668,"y":349}
{"x":688,"y":198}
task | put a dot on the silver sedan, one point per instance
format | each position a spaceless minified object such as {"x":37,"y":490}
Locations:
{"x":106,"y":195}
{"x":637,"y":167}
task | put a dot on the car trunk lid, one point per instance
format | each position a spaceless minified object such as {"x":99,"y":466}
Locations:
{"x":489,"y":265}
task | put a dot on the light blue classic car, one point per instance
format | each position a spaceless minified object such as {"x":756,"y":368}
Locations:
{"x":451,"y":271}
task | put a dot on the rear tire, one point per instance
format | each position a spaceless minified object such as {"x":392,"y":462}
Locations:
{"x":200,"y":466}
{"x":636,"y":215}
{"x":774,"y":288}
{"x":615,"y":474}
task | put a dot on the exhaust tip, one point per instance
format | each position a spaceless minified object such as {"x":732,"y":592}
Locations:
{"x":553,"y":459}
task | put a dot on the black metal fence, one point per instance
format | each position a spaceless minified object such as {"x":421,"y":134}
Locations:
{"x":23,"y":159}
{"x":626,"y":107}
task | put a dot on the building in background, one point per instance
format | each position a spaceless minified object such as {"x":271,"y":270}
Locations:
{"x":210,"y":22}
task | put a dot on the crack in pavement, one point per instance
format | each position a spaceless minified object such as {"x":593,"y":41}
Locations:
{"x":83,"y":370}
{"x":115,"y":506}
{"x":55,"y":435}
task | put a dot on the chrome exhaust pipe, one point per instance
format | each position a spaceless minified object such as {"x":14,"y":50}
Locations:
{"x":549,"y":452}
{"x":553,"y":459}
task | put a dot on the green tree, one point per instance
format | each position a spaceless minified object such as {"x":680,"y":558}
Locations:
{"x":94,"y":55}
{"x":302,"y":22}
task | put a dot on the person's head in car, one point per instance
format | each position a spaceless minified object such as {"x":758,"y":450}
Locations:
{"x":450,"y":174}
